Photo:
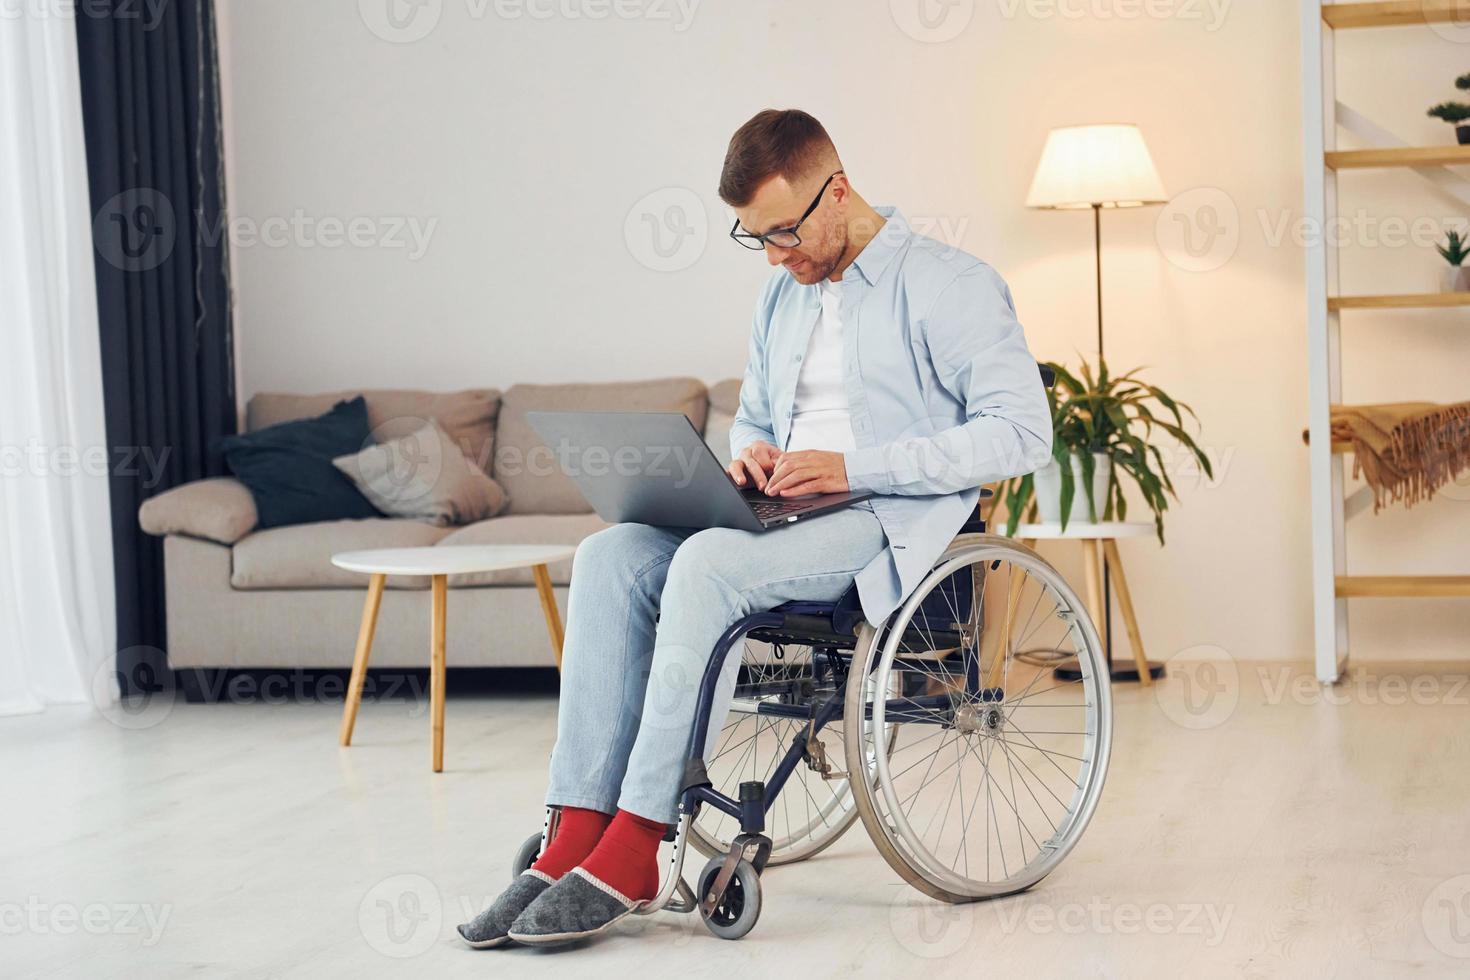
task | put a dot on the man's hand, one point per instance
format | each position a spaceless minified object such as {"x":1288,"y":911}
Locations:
{"x":754,"y":464}
{"x":807,"y":471}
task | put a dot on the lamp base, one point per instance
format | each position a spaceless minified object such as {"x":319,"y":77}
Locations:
{"x":1119,"y":672}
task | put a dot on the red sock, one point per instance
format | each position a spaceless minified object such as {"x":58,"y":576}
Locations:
{"x":626,"y":858}
{"x":576,"y":836}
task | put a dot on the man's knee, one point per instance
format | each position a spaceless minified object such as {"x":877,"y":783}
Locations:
{"x":613,"y":548}
{"x":717,"y":553}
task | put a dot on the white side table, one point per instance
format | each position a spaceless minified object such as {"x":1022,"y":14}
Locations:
{"x":439,"y":563}
{"x":1107,"y":534}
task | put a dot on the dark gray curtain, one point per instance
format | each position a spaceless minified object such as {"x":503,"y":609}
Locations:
{"x":151,"y":115}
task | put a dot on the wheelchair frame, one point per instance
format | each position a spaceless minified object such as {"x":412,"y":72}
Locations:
{"x":828,"y":628}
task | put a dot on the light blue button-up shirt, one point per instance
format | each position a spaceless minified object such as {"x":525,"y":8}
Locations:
{"x":943,"y":392}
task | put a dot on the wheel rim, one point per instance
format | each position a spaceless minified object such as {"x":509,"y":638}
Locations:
{"x":999,"y":763}
{"x":811,"y":811}
{"x":731,"y":904}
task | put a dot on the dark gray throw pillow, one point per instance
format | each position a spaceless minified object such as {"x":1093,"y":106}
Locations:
{"x":288,"y":467}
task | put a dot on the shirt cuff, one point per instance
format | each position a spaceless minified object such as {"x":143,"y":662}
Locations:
{"x":867,"y":470}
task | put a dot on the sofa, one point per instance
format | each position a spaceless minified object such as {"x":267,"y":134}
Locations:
{"x":240,"y":597}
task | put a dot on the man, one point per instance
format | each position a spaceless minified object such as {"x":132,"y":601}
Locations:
{"x":880,"y":360}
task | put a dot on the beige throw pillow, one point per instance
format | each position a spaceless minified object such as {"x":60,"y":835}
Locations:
{"x":423,"y":475}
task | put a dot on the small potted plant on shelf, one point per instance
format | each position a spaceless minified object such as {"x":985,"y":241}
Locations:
{"x":1455,"y":250}
{"x":1102,"y":427}
{"x":1456,"y":113}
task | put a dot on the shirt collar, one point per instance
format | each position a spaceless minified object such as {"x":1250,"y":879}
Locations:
{"x":876,"y":255}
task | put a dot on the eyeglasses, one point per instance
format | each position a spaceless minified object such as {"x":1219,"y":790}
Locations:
{"x":781,"y":237}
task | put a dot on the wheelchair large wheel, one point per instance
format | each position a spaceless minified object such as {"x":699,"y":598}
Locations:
{"x":769,"y":709}
{"x":998,"y":763}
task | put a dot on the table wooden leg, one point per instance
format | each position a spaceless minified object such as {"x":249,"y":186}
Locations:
{"x":1125,"y":604}
{"x":437,"y":665}
{"x":360,"y":658}
{"x":549,"y":610}
{"x":1015,"y":585}
{"x":1093,"y":571}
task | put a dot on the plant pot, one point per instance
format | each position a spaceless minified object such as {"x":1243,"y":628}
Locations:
{"x":1462,"y":133}
{"x":1454,"y":279}
{"x":1047,"y":484}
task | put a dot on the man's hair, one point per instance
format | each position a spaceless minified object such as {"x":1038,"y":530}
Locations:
{"x":774,"y":143}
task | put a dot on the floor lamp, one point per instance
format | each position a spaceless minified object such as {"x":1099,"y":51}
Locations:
{"x":1101,"y":166}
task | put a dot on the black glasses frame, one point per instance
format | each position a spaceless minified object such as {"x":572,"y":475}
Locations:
{"x":757,"y":243}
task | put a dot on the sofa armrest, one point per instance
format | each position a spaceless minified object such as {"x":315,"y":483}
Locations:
{"x":220,"y":509}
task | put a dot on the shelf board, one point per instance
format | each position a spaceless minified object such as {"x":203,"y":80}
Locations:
{"x":1402,"y":586}
{"x":1391,"y":13}
{"x":1400,"y":301}
{"x":1448,"y":155}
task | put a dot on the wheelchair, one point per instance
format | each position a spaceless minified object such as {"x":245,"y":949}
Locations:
{"x":833,"y":721}
{"x":973,"y":658}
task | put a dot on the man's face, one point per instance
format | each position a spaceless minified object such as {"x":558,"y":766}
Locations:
{"x":778,"y":204}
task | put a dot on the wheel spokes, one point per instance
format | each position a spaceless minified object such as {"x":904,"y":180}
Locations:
{"x":981,"y":799}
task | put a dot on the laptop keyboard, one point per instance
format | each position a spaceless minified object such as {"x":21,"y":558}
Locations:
{"x":770,"y":509}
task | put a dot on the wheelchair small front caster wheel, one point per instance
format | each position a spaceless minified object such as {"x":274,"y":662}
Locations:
{"x":735,"y":914}
{"x":526,"y":856}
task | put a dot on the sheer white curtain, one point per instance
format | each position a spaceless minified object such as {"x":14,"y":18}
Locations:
{"x":56,"y":588}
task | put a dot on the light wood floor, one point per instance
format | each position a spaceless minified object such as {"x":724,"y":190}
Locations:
{"x":1249,"y":828}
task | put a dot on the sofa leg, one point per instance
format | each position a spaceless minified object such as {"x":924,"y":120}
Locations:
{"x":201,"y":685}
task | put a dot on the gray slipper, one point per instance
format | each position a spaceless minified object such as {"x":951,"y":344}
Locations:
{"x":488,"y":929}
{"x":576,"y":907}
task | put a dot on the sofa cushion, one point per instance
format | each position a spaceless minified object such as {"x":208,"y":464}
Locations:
{"x":467,"y":416}
{"x":527,"y":468}
{"x":523,"y":529}
{"x":220,"y":510}
{"x":724,"y":401}
{"x":300,"y":557}
{"x":425,"y":477}
{"x":288,"y":467}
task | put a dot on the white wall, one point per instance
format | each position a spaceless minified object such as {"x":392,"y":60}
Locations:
{"x":531,"y":141}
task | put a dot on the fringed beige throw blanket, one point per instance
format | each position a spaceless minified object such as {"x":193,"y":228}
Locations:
{"x":1407,"y":450}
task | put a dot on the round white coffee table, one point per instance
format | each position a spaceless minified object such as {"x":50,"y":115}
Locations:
{"x":439,"y":563}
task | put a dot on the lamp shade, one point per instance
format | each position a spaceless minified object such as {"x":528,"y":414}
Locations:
{"x":1106,"y":165}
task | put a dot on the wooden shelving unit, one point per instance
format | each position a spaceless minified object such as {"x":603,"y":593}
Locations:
{"x":1399,"y":301}
{"x":1403,"y":586}
{"x":1449,"y":155}
{"x":1332,"y":586}
{"x":1391,"y":13}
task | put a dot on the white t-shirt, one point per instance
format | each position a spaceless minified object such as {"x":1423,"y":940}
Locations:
{"x":819,"y":414}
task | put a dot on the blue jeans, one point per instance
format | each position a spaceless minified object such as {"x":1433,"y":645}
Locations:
{"x":647,"y":605}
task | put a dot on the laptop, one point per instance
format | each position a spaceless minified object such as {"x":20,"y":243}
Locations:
{"x":654,"y":468}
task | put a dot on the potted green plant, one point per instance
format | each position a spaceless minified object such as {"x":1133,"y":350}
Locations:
{"x":1102,"y":427}
{"x":1454,"y":250}
{"x":1456,"y":113}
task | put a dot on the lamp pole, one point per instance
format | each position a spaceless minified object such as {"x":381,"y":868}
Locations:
{"x":1107,"y":582}
{"x":1097,"y":261}
{"x":1117,"y":671}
